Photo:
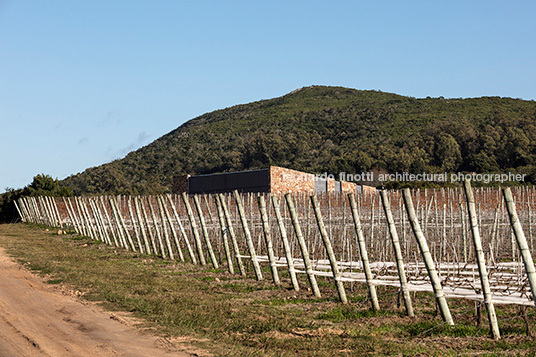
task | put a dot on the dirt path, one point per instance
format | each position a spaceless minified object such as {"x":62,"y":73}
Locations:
{"x":36,"y":319}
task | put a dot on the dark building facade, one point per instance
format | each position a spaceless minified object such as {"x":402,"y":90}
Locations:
{"x":271,"y":180}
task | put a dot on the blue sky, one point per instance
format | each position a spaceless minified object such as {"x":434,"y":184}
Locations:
{"x":83,"y":83}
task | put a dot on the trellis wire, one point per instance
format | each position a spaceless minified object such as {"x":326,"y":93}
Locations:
{"x":292,"y":240}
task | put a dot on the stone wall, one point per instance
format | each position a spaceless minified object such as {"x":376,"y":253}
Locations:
{"x":283,"y":180}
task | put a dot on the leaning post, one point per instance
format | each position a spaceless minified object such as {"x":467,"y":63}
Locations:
{"x":479,"y":253}
{"x":427,"y":257}
{"x":521,"y":240}
{"x":329,"y":249}
{"x":364,"y":256}
{"x":398,"y":253}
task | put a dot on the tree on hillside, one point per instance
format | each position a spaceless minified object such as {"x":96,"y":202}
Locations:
{"x":42,"y":185}
{"x":45,"y":185}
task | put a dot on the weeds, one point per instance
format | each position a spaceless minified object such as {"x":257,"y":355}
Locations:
{"x":242,"y":316}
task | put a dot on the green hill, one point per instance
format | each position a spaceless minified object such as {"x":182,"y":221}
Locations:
{"x":332,"y":129}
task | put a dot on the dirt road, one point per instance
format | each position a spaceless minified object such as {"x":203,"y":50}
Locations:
{"x":36,"y":319}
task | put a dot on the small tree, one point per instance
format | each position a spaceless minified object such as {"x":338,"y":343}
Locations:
{"x":45,"y":185}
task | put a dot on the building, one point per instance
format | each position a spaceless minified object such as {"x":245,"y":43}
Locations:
{"x":271,"y":180}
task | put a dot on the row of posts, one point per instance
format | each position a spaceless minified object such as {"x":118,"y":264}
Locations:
{"x":92,"y":222}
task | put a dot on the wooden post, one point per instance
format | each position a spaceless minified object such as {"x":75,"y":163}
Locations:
{"x":72,"y":216}
{"x":27,"y":207}
{"x":146,"y":245}
{"x":87,"y":220}
{"x":105,"y":223}
{"x":494,"y":230}
{"x":115,"y":216}
{"x":479,"y":253}
{"x":56,"y":212}
{"x":22,"y":210}
{"x":98,"y":222}
{"x":183,"y":232}
{"x":427,"y":257}
{"x":224,"y":234}
{"x":303,"y":246}
{"x":521,"y":240}
{"x":22,"y":217}
{"x":157,"y":230}
{"x":53,"y":219}
{"x":195,"y":232}
{"x":286,"y":245}
{"x":154,"y":249}
{"x":268,"y":239}
{"x":108,"y":221}
{"x":364,"y":256}
{"x":31,"y":209}
{"x":205,"y":232}
{"x":37,"y":210}
{"x":164,"y":227}
{"x":232,"y":235}
{"x":50,"y":212}
{"x":173,"y":231}
{"x":134,"y":227}
{"x":398,"y":253}
{"x":249,"y":241}
{"x":329,"y":249}
{"x":464,"y":234}
{"x":22,"y":204}
{"x":34,"y":209}
{"x":128,"y":241}
{"x":48,"y":217}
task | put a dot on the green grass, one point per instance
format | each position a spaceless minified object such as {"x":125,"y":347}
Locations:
{"x":233,"y":315}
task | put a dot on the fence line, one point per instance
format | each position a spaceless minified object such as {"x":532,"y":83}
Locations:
{"x":350,"y":238}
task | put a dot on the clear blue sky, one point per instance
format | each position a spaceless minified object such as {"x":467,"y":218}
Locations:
{"x":83,"y":83}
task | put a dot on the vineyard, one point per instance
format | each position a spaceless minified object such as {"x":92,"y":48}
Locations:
{"x":473,"y":244}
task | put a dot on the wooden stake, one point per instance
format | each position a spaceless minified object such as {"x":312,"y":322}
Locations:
{"x":427,"y":257}
{"x":183,"y":232}
{"x":145,"y":247}
{"x":329,"y":249}
{"x":195,"y":232}
{"x":286,"y":245}
{"x":134,"y":227}
{"x":232,"y":235}
{"x":164,"y":226}
{"x":303,"y":246}
{"x":224,"y":234}
{"x":363,"y":251}
{"x":247,"y":234}
{"x":205,"y":232}
{"x":268,"y":239}
{"x":521,"y":240}
{"x":479,"y":253}
{"x":109,"y":221}
{"x":398,"y":253}
{"x":173,"y":231}
{"x":157,"y":230}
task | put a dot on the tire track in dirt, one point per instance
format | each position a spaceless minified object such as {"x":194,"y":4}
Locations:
{"x":38,"y":320}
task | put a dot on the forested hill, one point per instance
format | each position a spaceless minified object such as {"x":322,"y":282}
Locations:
{"x":332,"y":129}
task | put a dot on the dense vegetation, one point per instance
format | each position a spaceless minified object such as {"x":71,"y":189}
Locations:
{"x":333,"y":129}
{"x":325,"y":129}
{"x":42,"y":185}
